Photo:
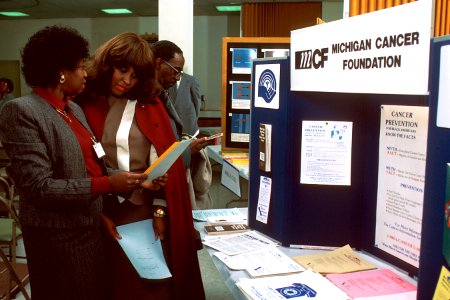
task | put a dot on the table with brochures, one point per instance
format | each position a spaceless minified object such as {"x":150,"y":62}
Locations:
{"x":238,"y":159}
{"x":230,"y":277}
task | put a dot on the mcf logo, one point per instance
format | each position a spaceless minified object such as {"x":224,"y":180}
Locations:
{"x":307,"y":58}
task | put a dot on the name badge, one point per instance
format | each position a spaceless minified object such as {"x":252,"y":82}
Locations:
{"x":99,"y":150}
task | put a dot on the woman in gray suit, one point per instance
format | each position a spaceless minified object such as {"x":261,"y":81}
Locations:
{"x":57,"y":167}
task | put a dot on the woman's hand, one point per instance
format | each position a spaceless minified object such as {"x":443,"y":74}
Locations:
{"x":159,"y":227}
{"x":110,"y":227}
{"x":122,"y":182}
{"x":156,"y":184}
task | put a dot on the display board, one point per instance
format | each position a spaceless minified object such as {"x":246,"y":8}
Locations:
{"x":348,"y":144}
{"x":330,"y":213}
{"x":237,"y":56}
{"x":435,"y":212}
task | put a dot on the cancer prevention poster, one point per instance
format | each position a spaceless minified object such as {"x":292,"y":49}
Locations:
{"x":401,"y":180}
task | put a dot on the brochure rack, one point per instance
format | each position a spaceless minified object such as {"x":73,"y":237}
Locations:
{"x":236,"y":67}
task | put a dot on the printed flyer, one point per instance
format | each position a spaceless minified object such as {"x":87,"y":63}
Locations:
{"x":401,"y":180}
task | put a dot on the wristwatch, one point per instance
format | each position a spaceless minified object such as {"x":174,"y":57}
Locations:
{"x":159,"y":213}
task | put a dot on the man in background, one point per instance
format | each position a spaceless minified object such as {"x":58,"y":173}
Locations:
{"x":185,"y":96}
{"x":6,"y":88}
{"x":169,"y":63}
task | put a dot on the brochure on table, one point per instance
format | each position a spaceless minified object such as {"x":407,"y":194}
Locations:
{"x":304,"y":285}
{"x":381,"y":284}
{"x":265,"y":261}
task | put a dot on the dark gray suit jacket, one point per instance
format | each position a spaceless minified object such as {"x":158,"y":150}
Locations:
{"x":47,"y":165}
{"x":186,"y":100}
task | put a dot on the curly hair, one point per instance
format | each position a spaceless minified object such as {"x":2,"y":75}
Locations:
{"x":123,"y":50}
{"x":165,"y":49}
{"x":49,"y":51}
{"x":9,"y":83}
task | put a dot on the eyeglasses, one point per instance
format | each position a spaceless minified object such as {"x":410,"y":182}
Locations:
{"x":178,"y":73}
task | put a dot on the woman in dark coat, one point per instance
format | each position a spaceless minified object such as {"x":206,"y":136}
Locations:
{"x":59,"y":176}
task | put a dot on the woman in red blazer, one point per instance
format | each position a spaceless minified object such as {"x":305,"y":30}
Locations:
{"x":124,"y":113}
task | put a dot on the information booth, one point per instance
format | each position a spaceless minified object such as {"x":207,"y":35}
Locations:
{"x":343,"y":158}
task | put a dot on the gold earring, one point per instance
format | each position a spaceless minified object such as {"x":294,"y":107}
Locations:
{"x":62,"y":79}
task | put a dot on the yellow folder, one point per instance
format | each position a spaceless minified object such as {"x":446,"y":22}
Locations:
{"x":166,"y":160}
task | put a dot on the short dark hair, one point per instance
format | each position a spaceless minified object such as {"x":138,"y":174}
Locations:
{"x":9,"y":83}
{"x":165,"y":49}
{"x":50,"y":50}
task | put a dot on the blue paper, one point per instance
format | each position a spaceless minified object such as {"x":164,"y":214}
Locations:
{"x":144,"y":252}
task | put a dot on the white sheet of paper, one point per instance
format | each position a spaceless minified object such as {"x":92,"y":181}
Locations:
{"x":305,"y":285}
{"x":443,"y":107}
{"x":233,"y":244}
{"x":265,"y":188}
{"x":230,"y":177}
{"x":204,"y":214}
{"x":326,"y":152}
{"x":262,"y":262}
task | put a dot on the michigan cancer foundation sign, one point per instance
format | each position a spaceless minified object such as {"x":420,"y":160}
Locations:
{"x":384,"y":52}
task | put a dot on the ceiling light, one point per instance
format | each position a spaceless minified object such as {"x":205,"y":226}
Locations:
{"x":117,"y":11}
{"x":229,"y":8}
{"x":13,"y":14}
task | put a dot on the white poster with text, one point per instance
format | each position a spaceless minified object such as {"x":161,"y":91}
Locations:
{"x":326,"y":152}
{"x":382,"y":52}
{"x":443,"y":107}
{"x":401,"y":180}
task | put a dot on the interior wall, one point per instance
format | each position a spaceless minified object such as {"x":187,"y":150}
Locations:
{"x":332,"y":11}
{"x":11,"y":69}
{"x":208,"y":34}
{"x":15,"y":34}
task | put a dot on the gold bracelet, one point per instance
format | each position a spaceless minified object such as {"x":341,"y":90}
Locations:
{"x":159,"y":213}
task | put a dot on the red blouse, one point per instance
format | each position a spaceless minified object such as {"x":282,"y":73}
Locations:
{"x":100,"y":183}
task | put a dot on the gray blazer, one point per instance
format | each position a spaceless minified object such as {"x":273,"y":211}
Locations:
{"x":186,"y":100}
{"x":47,"y":165}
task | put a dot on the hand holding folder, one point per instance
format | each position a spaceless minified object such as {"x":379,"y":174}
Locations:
{"x":160,"y":166}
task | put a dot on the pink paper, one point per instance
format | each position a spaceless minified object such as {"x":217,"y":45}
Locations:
{"x":371,"y":283}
